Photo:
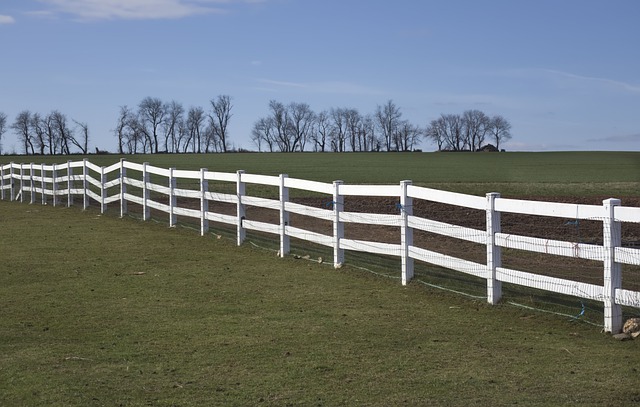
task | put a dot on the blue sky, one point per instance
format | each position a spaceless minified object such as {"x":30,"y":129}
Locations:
{"x":565,"y":73}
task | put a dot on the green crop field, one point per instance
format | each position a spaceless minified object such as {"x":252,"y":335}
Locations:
{"x":512,"y":174}
{"x":98,"y":310}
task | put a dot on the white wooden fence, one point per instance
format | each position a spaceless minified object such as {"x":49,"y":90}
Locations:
{"x":54,"y":183}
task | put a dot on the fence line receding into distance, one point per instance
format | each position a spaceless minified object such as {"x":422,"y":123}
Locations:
{"x":127,"y":182}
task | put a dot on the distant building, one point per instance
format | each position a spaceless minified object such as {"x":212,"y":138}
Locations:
{"x":489,"y":148}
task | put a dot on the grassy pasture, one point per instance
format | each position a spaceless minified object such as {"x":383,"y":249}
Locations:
{"x":139,"y":314}
{"x":512,"y":174}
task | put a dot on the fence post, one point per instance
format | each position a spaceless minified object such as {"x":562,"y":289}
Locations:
{"x":43,"y":185}
{"x":338,"y":227}
{"x":32,"y":186}
{"x":241,"y":210}
{"x":54,"y":184}
{"x":406,"y":237}
{"x":103,"y":191}
{"x":285,"y":241}
{"x":494,"y":253}
{"x":11,"y":188}
{"x":612,"y":270}
{"x":32,"y":196}
{"x":69,"y":184}
{"x":123,"y":189}
{"x":146,"y":211}
{"x":2,"y":182}
{"x":85,"y":195}
{"x":204,"y":203}
{"x":173,"y":219}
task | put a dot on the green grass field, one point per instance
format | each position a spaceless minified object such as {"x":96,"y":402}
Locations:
{"x":512,"y":174}
{"x":98,"y":310}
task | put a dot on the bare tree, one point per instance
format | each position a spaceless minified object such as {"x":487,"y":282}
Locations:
{"x":51,"y":133}
{"x":339,"y":132}
{"x":63,"y":132}
{"x":195,"y":128}
{"x":301,"y":119}
{"x":453,"y":132}
{"x":121,"y":127}
{"x":436,"y":132}
{"x":388,"y":118}
{"x":221,"y":108}
{"x":174,"y":114}
{"x":129,"y":132}
{"x":476,"y":126}
{"x":3,"y":127}
{"x":181,"y":135}
{"x":22,"y":127}
{"x":137,"y":135}
{"x":38,"y":125}
{"x":500,"y":129}
{"x":280,"y":126}
{"x":82,"y":144}
{"x":369,"y":138}
{"x":263,"y":131}
{"x":447,"y":132}
{"x":407,"y":135}
{"x":322,"y":132}
{"x":353,"y":121}
{"x":152,"y":114}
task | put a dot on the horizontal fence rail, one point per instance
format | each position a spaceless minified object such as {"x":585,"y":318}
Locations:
{"x":127,"y":182}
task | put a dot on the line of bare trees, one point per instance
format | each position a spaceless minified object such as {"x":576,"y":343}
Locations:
{"x":468,"y":131}
{"x":47,"y":134}
{"x":156,"y":126}
{"x":295,"y":127}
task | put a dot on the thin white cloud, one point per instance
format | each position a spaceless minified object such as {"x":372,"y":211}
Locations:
{"x":6,"y":19}
{"x":284,"y":84}
{"x":43,"y":14}
{"x":570,"y":79}
{"x":335,"y":87}
{"x":131,"y":9}
{"x":614,"y":84}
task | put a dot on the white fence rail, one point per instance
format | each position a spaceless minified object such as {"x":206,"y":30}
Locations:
{"x":53,"y":183}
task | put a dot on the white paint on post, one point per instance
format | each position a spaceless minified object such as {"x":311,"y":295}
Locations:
{"x":241,"y":211}
{"x":85,"y":196}
{"x":54,"y":185}
{"x":146,"y":210}
{"x":612,"y":269}
{"x":494,"y":253}
{"x":406,"y":237}
{"x":11,"y":188}
{"x":285,"y":241}
{"x":123,"y":188}
{"x":69,"y":184}
{"x":2,"y":182}
{"x":31,"y":184}
{"x":338,"y":227}
{"x":173,"y":200}
{"x":103,"y":191}
{"x":43,"y":185}
{"x":204,"y":202}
